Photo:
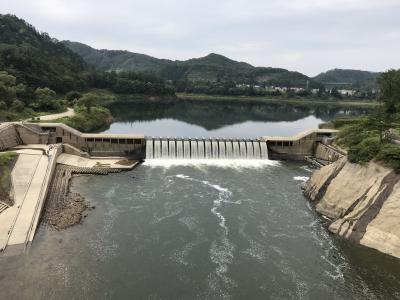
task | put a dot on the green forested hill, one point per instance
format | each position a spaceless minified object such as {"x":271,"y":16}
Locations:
{"x":36,"y":70}
{"x":36,"y":59}
{"x":349,"y":78}
{"x":116,"y":60}
{"x":211,"y":68}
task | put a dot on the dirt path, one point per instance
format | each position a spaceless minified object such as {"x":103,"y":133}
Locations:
{"x":69,"y":113}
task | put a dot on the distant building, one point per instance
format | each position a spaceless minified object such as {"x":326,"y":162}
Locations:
{"x":314,"y":91}
{"x":347,"y":92}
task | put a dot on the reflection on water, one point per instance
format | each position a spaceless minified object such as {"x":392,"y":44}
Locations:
{"x":216,"y":119}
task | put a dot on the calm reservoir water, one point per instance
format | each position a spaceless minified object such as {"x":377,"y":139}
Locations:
{"x":216,"y":119}
{"x":222,"y":230}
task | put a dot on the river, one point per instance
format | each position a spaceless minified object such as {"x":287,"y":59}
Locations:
{"x":216,"y":230}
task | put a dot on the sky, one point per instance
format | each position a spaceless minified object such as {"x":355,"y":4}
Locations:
{"x":309,"y":36}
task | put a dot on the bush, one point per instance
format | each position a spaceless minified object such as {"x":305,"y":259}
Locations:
{"x":3,"y":105}
{"x":98,"y":118}
{"x":390,"y":154}
{"x":18,"y":106}
{"x":353,"y":134}
{"x":365,"y":151}
{"x":72,"y":95}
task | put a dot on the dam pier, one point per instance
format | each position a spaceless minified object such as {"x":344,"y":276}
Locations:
{"x":43,"y":146}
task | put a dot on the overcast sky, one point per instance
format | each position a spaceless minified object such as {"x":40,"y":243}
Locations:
{"x":308,"y":36}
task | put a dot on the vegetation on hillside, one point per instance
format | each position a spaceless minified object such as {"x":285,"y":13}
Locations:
{"x":94,"y":118}
{"x":18,"y":100}
{"x":373,"y":136}
{"x":36,"y":70}
{"x":7,"y":160}
{"x":349,"y":79}
{"x":203,"y":73}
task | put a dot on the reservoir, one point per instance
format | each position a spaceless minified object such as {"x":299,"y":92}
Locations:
{"x":216,"y":119}
{"x":214,"y":230}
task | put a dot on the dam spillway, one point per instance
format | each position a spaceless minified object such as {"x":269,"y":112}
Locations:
{"x":194,"y":148}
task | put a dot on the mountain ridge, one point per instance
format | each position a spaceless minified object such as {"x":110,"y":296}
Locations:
{"x":213,"y":67}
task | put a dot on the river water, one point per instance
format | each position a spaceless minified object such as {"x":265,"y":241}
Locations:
{"x":220,"y":230}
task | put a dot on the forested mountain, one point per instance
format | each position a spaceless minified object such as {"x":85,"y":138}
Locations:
{"x":116,"y":60}
{"x":35,"y":69}
{"x":36,"y":59}
{"x":211,"y":68}
{"x":353,"y":79}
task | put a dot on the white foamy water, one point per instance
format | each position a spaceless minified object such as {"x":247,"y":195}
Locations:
{"x":301,"y":178}
{"x":223,"y":163}
{"x":221,"y":251}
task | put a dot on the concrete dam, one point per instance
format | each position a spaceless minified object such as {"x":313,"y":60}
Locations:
{"x":43,"y":146}
{"x":194,"y":148}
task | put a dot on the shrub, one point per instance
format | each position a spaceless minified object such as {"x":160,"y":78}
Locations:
{"x":365,"y":151}
{"x":390,"y":154}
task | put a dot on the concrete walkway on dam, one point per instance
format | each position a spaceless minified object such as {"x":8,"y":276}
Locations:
{"x":30,"y":178}
{"x":96,"y":162}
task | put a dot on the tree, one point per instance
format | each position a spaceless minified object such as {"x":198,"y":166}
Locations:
{"x":88,"y":101}
{"x":18,"y":106}
{"x":335,"y":93}
{"x":7,"y":87}
{"x":3,"y":106}
{"x":389,"y":83}
{"x":46,"y":99}
{"x":73,"y":95}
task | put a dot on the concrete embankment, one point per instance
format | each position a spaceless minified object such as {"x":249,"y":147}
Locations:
{"x":30,"y":179}
{"x":362,"y":201}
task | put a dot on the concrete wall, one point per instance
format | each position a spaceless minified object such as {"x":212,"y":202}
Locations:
{"x":133,"y":146}
{"x":8,"y":137}
{"x":327,"y":153}
{"x":43,"y":193}
{"x":31,"y":134}
{"x":296,"y":147}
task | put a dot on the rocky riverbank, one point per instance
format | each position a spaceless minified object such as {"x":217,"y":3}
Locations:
{"x":64,"y":208}
{"x":362,"y":201}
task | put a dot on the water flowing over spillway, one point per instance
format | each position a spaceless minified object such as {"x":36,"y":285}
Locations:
{"x":164,"y":148}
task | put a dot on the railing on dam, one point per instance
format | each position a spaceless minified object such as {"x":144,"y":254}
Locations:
{"x":211,"y":148}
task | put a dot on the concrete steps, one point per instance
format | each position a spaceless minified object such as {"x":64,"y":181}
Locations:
{"x":3,"y":207}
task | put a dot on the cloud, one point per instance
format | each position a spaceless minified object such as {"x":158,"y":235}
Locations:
{"x":309,"y":36}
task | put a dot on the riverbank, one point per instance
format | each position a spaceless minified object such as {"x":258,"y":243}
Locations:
{"x":361,"y":201}
{"x":65,"y":208}
{"x":280,"y":100}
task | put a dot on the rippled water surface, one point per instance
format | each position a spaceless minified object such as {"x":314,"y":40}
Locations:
{"x":225,"y":230}
{"x":170,"y":231}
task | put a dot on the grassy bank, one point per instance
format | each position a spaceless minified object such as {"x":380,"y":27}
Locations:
{"x":277,"y":100}
{"x":7,"y":160}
